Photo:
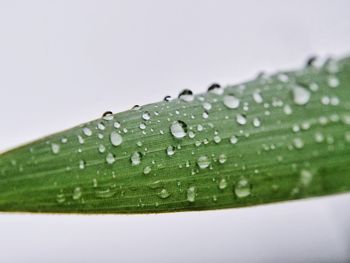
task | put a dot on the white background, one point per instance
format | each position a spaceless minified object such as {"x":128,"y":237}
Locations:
{"x":66,"y":62}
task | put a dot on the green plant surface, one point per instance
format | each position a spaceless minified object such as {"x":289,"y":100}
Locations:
{"x":276,"y":138}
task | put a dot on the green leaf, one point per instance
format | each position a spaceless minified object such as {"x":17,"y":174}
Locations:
{"x":275,"y":138}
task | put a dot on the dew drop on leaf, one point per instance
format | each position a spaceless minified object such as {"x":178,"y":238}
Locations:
{"x":191,"y":194}
{"x":301,"y":95}
{"x":55,"y":148}
{"x":186,"y":95}
{"x":135,"y":158}
{"x":231,"y":102}
{"x":203,"y":162}
{"x":242,"y":188}
{"x":178,"y":129}
{"x":110,"y":158}
{"x":116,"y":138}
{"x":77,"y":193}
{"x":163,"y":194}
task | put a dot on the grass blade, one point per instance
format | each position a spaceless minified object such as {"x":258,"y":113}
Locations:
{"x":275,"y":138}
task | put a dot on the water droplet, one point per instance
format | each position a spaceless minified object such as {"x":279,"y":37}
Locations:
{"x":60,"y":198}
{"x":287,"y":109}
{"x":216,"y":89}
{"x":186,"y":95}
{"x":167,"y":98}
{"x":101,"y":126}
{"x":301,"y":95}
{"x":81,"y":164}
{"x":333,"y":82}
{"x":163,"y":194}
{"x":205,"y":115}
{"x":178,"y":129}
{"x":231,"y":101}
{"x":242,"y":188}
{"x":135,"y":158}
{"x":64,"y":140}
{"x":256,"y":122}
{"x":108,"y":116}
{"x":305,"y":177}
{"x":116,"y":138}
{"x":347,"y":136}
{"x":217,"y":139}
{"x":101,"y":148}
{"x":222,"y":158}
{"x":117,"y":125}
{"x":55,"y":148}
{"x":203,"y":162}
{"x":87,"y":131}
{"x":191,"y":194}
{"x":147,"y":170}
{"x":170,"y":151}
{"x":257,"y":97}
{"x":298,"y":143}
{"x":233,"y":139}
{"x":207,"y":106}
{"x":110,"y":158}
{"x":146,"y":116}
{"x":241,"y":119}
{"x":222,"y":184}
{"x":319,"y":137}
{"x":142,"y":126}
{"x":311,"y":61}
{"x":77,"y":193}
{"x":81,"y":139}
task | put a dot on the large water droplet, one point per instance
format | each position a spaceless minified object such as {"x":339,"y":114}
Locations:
{"x":203,"y":162}
{"x":178,"y":129}
{"x":116,"y":138}
{"x":242,"y":188}
{"x":301,"y":95}
{"x":231,"y":102}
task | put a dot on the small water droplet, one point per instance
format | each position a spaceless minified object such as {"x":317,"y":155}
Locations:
{"x":117,"y":125}
{"x":147,"y":170}
{"x":301,"y":95}
{"x":233,"y":139}
{"x":222,"y":184}
{"x":81,"y":164}
{"x":110,"y":158}
{"x":217,"y":139}
{"x":170,"y":151}
{"x":305,"y":177}
{"x":216,"y":89}
{"x":333,"y":82}
{"x":108,"y":116}
{"x":101,"y":148}
{"x":231,"y":102}
{"x":207,"y":106}
{"x":178,"y":129}
{"x":241,"y":119}
{"x":186,"y":95}
{"x":257,"y":97}
{"x":298,"y":143}
{"x":60,"y":198}
{"x":222,"y":158}
{"x":87,"y":131}
{"x":167,"y":98}
{"x":77,"y":193}
{"x":191,"y":194}
{"x":163,"y":194}
{"x":256,"y":122}
{"x":203,"y":162}
{"x":135,"y":158}
{"x":55,"y":148}
{"x":116,"y":138}
{"x":146,"y":116}
{"x":242,"y":188}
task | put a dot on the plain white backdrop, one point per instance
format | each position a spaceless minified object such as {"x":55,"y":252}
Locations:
{"x":66,"y":62}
